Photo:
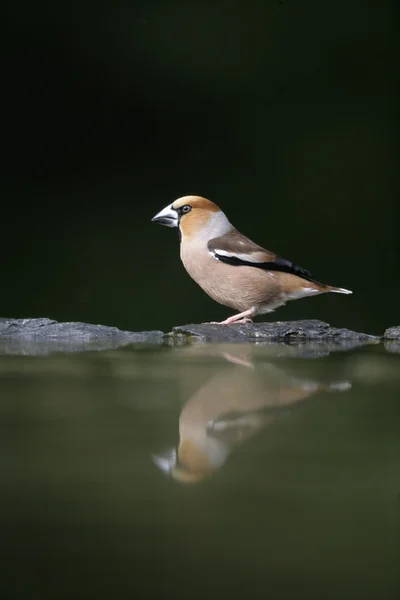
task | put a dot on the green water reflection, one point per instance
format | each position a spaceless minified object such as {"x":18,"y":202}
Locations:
{"x":200,"y":471}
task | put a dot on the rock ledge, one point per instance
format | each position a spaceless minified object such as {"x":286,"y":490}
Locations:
{"x":44,"y":336}
{"x":393,"y":333}
{"x":286,"y":331}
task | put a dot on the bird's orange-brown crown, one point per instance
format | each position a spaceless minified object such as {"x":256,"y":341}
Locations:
{"x":201,"y":214}
{"x":196,"y":202}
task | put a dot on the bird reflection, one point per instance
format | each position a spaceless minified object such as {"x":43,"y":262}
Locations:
{"x":232,"y":406}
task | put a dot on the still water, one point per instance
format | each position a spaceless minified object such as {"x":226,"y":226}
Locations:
{"x":201,"y":471}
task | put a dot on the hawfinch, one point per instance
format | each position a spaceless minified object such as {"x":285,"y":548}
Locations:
{"x":230,"y":407}
{"x":232,"y":269}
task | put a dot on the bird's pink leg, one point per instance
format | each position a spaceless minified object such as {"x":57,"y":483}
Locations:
{"x":243,"y":317}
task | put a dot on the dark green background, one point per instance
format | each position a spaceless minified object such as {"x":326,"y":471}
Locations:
{"x":280,"y":111}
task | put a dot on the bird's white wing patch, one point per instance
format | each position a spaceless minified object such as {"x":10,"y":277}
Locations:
{"x":253,"y":257}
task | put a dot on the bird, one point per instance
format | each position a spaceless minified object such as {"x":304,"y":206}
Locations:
{"x":238,"y":398}
{"x":229,"y":267}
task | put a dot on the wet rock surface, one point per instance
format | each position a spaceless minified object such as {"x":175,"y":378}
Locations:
{"x":43,"y":336}
{"x":286,"y":331}
{"x":393,"y":333}
{"x":391,"y":339}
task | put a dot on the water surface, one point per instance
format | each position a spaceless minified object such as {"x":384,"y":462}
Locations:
{"x":201,"y":471}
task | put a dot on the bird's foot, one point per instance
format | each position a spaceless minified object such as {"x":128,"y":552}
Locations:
{"x":246,"y":320}
{"x":230,"y":321}
{"x":243,"y":317}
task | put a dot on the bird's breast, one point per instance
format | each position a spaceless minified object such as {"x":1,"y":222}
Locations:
{"x":198,"y":262}
{"x":238,"y":287}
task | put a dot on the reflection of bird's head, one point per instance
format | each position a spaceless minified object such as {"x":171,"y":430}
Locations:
{"x":194,"y":461}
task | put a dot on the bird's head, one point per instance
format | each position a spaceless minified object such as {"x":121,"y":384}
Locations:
{"x":195,"y":460}
{"x":195,"y":216}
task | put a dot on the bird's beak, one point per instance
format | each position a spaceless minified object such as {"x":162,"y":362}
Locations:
{"x":167,"y":216}
{"x":165,"y":461}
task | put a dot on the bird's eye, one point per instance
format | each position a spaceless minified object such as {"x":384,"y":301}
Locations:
{"x":185,"y":209}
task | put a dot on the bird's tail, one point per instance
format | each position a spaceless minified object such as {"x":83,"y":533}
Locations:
{"x":337,"y":290}
{"x":335,"y":386}
{"x":339,"y":386}
{"x":324,"y":289}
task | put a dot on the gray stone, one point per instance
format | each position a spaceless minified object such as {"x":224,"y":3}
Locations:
{"x":44,"y":336}
{"x":391,"y":339}
{"x":392,"y":346}
{"x":279,"y":331}
{"x":393,"y":333}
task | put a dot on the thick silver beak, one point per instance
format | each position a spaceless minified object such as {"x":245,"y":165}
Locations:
{"x":165,"y":461}
{"x":167,"y":216}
